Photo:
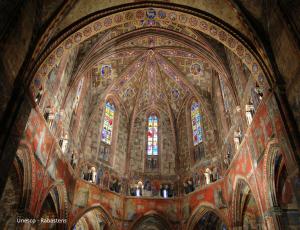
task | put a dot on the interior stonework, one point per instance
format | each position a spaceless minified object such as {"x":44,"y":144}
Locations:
{"x":149,"y":115}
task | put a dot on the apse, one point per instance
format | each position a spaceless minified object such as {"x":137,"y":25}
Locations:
{"x":151,"y":115}
{"x":150,"y":108}
{"x":144,"y":101}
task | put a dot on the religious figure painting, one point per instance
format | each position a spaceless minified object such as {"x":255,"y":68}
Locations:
{"x":106,"y":71}
{"x":197,"y":69}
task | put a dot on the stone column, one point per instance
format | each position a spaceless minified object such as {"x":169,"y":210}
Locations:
{"x":12,"y":127}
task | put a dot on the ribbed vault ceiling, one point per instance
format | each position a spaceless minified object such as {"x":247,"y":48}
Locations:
{"x":149,"y":67}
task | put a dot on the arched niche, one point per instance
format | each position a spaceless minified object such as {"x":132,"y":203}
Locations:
{"x":207,"y":217}
{"x":54,"y":206}
{"x":197,"y":151}
{"x":93,"y":218}
{"x":104,"y":153}
{"x":246,"y":212}
{"x":49,"y":211}
{"x":151,"y":221}
{"x":27,"y":166}
{"x":16,"y":198}
{"x":107,"y":150}
{"x":210,"y":221}
{"x":279,"y":195}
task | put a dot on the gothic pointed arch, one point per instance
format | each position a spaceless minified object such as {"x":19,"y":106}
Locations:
{"x":152,"y":156}
{"x":278,"y":187}
{"x":206,"y":216}
{"x":245,"y":210}
{"x":151,"y":220}
{"x":196,"y":125}
{"x":22,"y":180}
{"x":272,"y":153}
{"x":151,"y":97}
{"x":27,"y":164}
{"x":54,"y":204}
{"x":108,"y":130}
{"x":96,"y":215}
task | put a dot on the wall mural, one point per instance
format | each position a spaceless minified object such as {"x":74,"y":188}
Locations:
{"x":170,"y":17}
{"x":176,"y":194}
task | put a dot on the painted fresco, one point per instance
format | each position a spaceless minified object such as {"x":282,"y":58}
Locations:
{"x":199,"y":181}
{"x":52,"y":166}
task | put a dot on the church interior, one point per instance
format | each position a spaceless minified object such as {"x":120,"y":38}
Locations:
{"x":150,"y":115}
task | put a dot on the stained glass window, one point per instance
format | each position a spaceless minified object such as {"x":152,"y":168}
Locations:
{"x":196,"y":123}
{"x":152,"y":147}
{"x":108,"y":123}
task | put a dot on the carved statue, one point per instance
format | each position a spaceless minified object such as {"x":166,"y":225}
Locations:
{"x":237,"y":138}
{"x":39,"y":95}
{"x":190,"y":186}
{"x":207,"y":175}
{"x":249,"y":113}
{"x":185,"y":187}
{"x":99,"y":175}
{"x":256,"y":95}
{"x":215,"y":174}
{"x":74,"y":161}
{"x":93,"y":175}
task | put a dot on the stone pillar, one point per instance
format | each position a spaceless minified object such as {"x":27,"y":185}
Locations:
{"x":249,"y":113}
{"x":12,"y":127}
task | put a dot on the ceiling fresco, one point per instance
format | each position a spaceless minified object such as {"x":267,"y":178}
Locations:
{"x":150,"y":115}
{"x":153,"y":17}
{"x":152,"y":69}
{"x":143,"y":41}
{"x":151,"y":58}
{"x":153,"y":76}
{"x":225,"y":10}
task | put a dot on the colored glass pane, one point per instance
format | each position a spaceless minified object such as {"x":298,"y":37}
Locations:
{"x":196,"y":123}
{"x":152,"y":148}
{"x":106,"y":135}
